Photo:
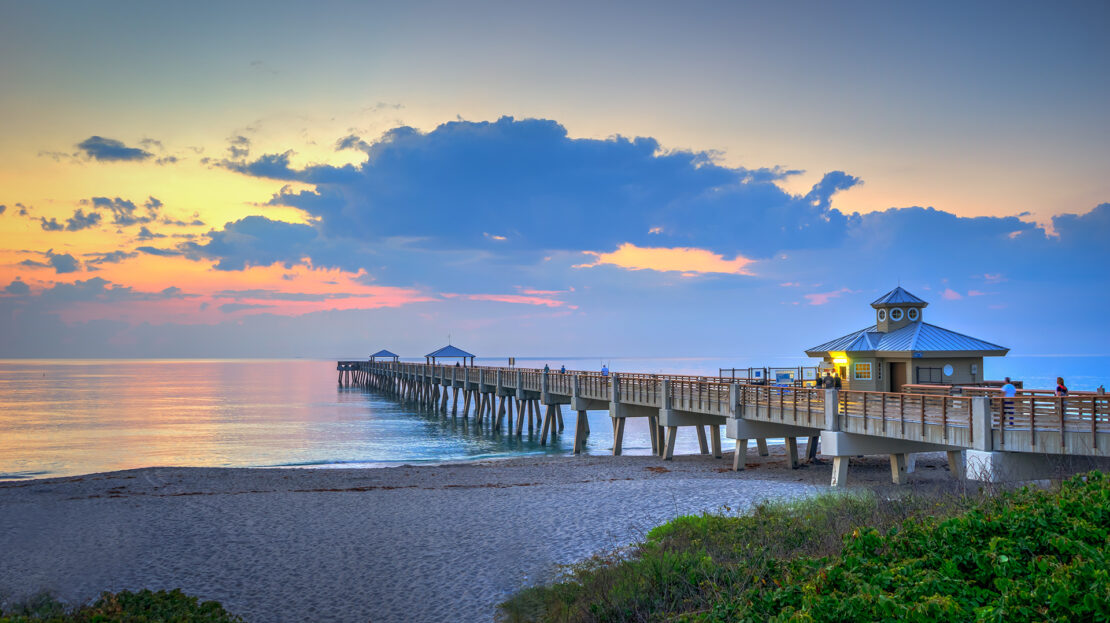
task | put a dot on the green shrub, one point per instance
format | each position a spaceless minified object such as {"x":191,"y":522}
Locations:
{"x":1023,"y":555}
{"x":124,"y":607}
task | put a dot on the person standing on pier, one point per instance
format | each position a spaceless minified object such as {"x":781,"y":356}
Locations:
{"x":1061,"y":389}
{"x":546,"y":368}
{"x":604,"y":370}
{"x":563,"y":369}
{"x":1008,"y":391}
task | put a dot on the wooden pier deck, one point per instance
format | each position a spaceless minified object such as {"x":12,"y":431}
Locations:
{"x":848,"y":422}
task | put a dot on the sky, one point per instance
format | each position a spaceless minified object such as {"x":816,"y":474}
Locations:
{"x":729,"y":180}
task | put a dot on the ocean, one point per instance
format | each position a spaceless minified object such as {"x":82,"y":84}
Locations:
{"x":69,"y":417}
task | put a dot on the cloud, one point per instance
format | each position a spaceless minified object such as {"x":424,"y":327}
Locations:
{"x":63,"y":262}
{"x":238,"y":147}
{"x":230,"y":308}
{"x":124,"y":211}
{"x":146,"y":234}
{"x":3,"y":208}
{"x":111,"y":257}
{"x":60,"y":262}
{"x":111,"y":150}
{"x":158,"y":252}
{"x":51,"y":224}
{"x":680,"y":259}
{"x":822,"y":298}
{"x":80,"y":220}
{"x":102,"y":290}
{"x":18,"y":288}
{"x":951,"y":295}
{"x":255,"y":241}
{"x":516,"y":299}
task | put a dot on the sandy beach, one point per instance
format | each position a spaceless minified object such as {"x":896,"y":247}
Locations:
{"x":429,"y":543}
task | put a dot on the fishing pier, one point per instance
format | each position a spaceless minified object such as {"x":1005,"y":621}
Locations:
{"x":985,"y":436}
{"x":902,"y":386}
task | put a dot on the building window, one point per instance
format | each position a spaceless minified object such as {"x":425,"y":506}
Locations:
{"x":896,"y":314}
{"x":929,"y":375}
{"x":911,"y":314}
{"x":882,"y":315}
{"x":863,"y":372}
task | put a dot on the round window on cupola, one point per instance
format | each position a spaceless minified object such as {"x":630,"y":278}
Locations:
{"x":896,"y":314}
{"x":912,"y":314}
{"x":882,"y":315}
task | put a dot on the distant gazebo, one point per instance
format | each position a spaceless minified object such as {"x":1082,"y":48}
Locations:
{"x":902,"y":349}
{"x":384,"y":354}
{"x":449,"y":352}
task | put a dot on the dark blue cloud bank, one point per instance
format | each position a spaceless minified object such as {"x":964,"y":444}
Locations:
{"x":512,"y":205}
{"x":464,"y":186}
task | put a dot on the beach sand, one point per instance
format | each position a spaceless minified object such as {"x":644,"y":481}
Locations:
{"x":429,"y":543}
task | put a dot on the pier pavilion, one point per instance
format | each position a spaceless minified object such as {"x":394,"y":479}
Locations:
{"x":901,"y":349}
{"x":384,"y":354}
{"x":449,"y":352}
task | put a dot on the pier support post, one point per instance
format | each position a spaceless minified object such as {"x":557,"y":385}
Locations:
{"x":715,"y":441}
{"x":740,"y":455}
{"x":957,"y":464}
{"x":703,"y":445}
{"x":580,"y":432}
{"x":672,"y":432}
{"x":898,"y":468}
{"x":840,"y":471}
{"x":618,"y":435}
{"x":762,"y":444}
{"x":792,"y":451}
{"x":547,"y":426}
{"x":811,"y":448}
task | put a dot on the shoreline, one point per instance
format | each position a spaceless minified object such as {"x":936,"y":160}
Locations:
{"x":404,"y":543}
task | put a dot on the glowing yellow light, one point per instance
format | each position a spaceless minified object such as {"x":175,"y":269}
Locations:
{"x":839,"y":359}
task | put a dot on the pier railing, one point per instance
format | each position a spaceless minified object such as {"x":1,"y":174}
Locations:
{"x":1031,"y":421}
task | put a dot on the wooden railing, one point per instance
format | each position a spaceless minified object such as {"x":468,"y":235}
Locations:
{"x":700,"y":396}
{"x":883,"y":412}
{"x":1065,"y":414}
{"x":807,"y":405}
{"x":1019,"y":422}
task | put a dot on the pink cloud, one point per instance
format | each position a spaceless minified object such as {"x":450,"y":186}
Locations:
{"x":976,"y":293}
{"x":518,"y":299}
{"x":820,"y":298}
{"x":950,"y":295}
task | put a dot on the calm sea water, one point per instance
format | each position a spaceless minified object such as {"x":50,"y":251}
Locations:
{"x":68,"y":417}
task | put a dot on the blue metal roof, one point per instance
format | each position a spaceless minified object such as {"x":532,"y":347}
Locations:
{"x":898,"y":296}
{"x":385,"y":353}
{"x":449,"y":351}
{"x":914,"y":337}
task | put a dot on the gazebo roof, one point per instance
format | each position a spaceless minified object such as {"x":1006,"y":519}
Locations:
{"x":385,"y":353}
{"x":449,"y":351}
{"x":919,"y":337}
{"x":898,"y":296}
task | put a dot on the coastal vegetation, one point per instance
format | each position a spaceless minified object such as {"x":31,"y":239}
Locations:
{"x":144,"y":606}
{"x":1026,"y":554}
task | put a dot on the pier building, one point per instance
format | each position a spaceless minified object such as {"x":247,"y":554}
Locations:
{"x":901,"y":350}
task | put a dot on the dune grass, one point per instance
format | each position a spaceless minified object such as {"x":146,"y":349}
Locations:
{"x":1027,"y":554}
{"x":124,"y":607}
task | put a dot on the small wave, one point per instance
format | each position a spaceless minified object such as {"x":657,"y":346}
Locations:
{"x":21,"y":475}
